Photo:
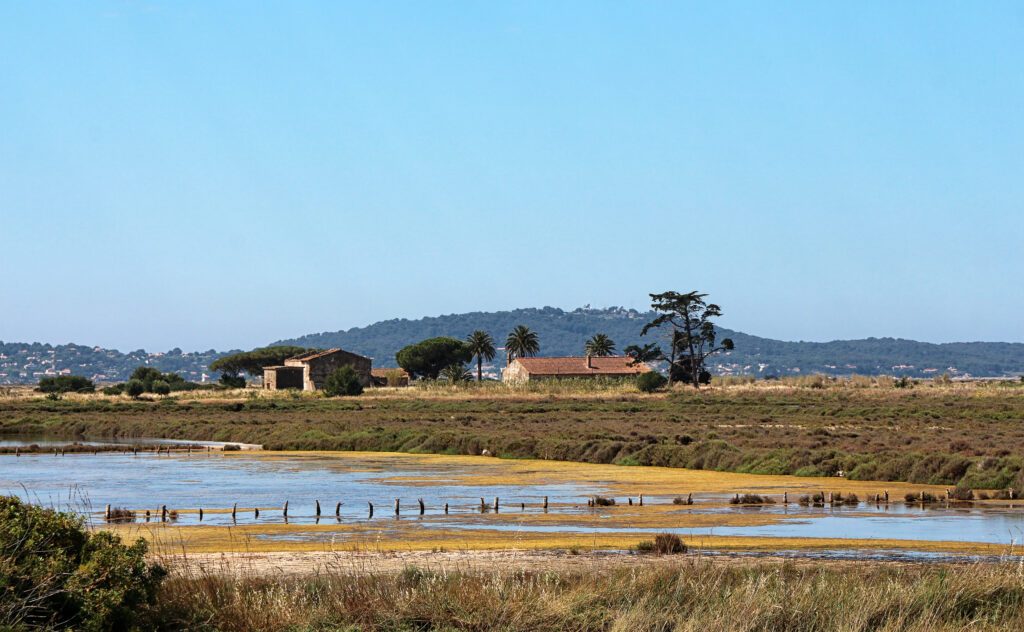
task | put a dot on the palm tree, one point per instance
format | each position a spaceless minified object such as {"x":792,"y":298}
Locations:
{"x":456,"y":373}
{"x":599,"y":345}
{"x":481,"y":346}
{"x":521,"y":343}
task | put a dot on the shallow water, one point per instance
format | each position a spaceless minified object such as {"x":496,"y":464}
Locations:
{"x":214,"y":481}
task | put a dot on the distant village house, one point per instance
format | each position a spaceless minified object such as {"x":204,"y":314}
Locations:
{"x":309,"y":372}
{"x":526,"y":369}
{"x":390,"y":377}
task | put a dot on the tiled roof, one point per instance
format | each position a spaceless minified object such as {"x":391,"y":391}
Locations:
{"x":315,"y":354}
{"x":577,"y":366}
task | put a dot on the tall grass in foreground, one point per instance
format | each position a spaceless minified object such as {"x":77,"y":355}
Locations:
{"x":695,"y":595}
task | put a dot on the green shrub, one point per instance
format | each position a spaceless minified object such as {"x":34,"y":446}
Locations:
{"x":651,"y":381}
{"x":134,"y":388}
{"x":161,"y":387}
{"x":116,"y":389}
{"x":344,"y":381}
{"x":53,"y":573}
{"x":664,"y":544}
{"x":66,"y":384}
{"x":232,"y":380}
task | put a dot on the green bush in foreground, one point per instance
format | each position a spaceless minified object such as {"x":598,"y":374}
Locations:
{"x":54,"y":574}
{"x":650,"y":382}
{"x":344,"y":381}
{"x":66,"y":384}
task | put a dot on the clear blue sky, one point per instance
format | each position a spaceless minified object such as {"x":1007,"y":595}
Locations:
{"x":223,"y":175}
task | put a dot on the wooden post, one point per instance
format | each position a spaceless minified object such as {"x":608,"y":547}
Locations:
{"x":887,"y":496}
{"x":371,"y":508}
{"x":256,"y":512}
{"x":630,"y":500}
{"x":831,"y":498}
{"x":522,"y":506}
{"x":689,"y":498}
{"x":200,"y":514}
{"x":284,"y":509}
{"x":135,"y":451}
{"x":106,"y":513}
{"x":163,"y":513}
{"x":337,"y":509}
{"x":55,"y":452}
{"x":422,"y":507}
{"x":17,"y":451}
{"x":147,"y":515}
{"x":446,"y":509}
{"x":641,"y":500}
{"x":483,"y":506}
{"x":1011,"y":494}
{"x":318,"y":508}
{"x":234,"y":510}
{"x":785,"y":498}
{"x":495,"y":504}
{"x":545,"y":503}
{"x":397,"y":507}
{"x":190,"y":450}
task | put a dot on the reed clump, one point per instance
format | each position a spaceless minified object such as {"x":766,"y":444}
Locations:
{"x":696,"y":595}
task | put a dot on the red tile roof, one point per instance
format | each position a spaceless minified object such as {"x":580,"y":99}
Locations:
{"x":577,"y":366}
{"x":386,"y":372}
{"x":314,"y":354}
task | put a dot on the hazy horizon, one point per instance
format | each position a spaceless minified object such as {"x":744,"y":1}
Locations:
{"x":222,"y":175}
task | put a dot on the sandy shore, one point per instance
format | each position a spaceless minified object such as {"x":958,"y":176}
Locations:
{"x":302,"y":563}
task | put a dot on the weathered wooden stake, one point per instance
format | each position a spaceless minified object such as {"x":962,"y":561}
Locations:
{"x":422,"y":506}
{"x":163,"y":513}
{"x":545,"y":503}
{"x":337,"y":509}
{"x":483,"y":506}
{"x":641,"y":500}
{"x":234,"y":510}
{"x":689,"y":498}
{"x":495,"y":504}
{"x":398,"y":507}
{"x":522,"y":506}
{"x":630,"y":499}
{"x":785,"y":498}
{"x":887,"y":496}
{"x":284,"y":509}
{"x":831,"y":498}
{"x":371,"y":508}
{"x":446,"y":509}
{"x":17,"y":451}
{"x":1012,"y":496}
{"x":106,"y":513}
{"x":256,"y":512}
{"x":200,"y":514}
{"x":147,"y":515}
{"x":55,"y":452}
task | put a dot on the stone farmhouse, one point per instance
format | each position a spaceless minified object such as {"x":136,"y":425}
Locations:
{"x":309,"y":372}
{"x":526,"y":369}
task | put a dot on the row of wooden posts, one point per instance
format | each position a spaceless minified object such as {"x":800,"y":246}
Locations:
{"x":134,"y":451}
{"x":496,"y":506}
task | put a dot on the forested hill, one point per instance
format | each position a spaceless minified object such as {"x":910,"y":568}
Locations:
{"x":564,"y":332}
{"x":561,"y":333}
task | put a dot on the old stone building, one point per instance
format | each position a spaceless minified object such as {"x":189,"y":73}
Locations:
{"x":526,"y":369}
{"x":309,"y":372}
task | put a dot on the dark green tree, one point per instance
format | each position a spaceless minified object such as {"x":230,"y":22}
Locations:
{"x":599,"y":345}
{"x":343,"y":381}
{"x":521,"y":343}
{"x":134,"y":388}
{"x":691,"y":335}
{"x":481,"y":346}
{"x":648,"y":353}
{"x":650,"y":381}
{"x":161,"y":387}
{"x":232,"y":380}
{"x":428,"y":357}
{"x":66,"y":384}
{"x":252,"y":362}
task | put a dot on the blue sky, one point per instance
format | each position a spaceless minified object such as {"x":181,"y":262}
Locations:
{"x":223,"y":175}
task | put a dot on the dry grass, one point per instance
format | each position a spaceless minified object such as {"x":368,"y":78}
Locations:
{"x":695,"y":595}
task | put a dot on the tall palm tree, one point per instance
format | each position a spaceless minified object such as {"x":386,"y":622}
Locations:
{"x":521,"y":343}
{"x":481,"y":345}
{"x":599,"y":345}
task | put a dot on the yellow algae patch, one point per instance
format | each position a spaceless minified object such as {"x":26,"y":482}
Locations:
{"x":438,"y":470}
{"x":166,"y":540}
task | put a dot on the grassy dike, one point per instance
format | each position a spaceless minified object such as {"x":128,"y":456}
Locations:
{"x":970,"y":435}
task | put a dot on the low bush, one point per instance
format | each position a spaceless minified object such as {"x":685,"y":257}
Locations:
{"x":66,"y":384}
{"x":601,"y":501}
{"x":962,"y":493}
{"x":651,"y":382}
{"x":680,"y":500}
{"x":663,"y":544}
{"x":750,"y":499}
{"x":922,"y":497}
{"x":344,"y":381}
{"x":54,"y":573}
{"x":120,"y":514}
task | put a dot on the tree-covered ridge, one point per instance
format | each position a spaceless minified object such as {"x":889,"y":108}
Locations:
{"x":564,"y":332}
{"x":560,"y":332}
